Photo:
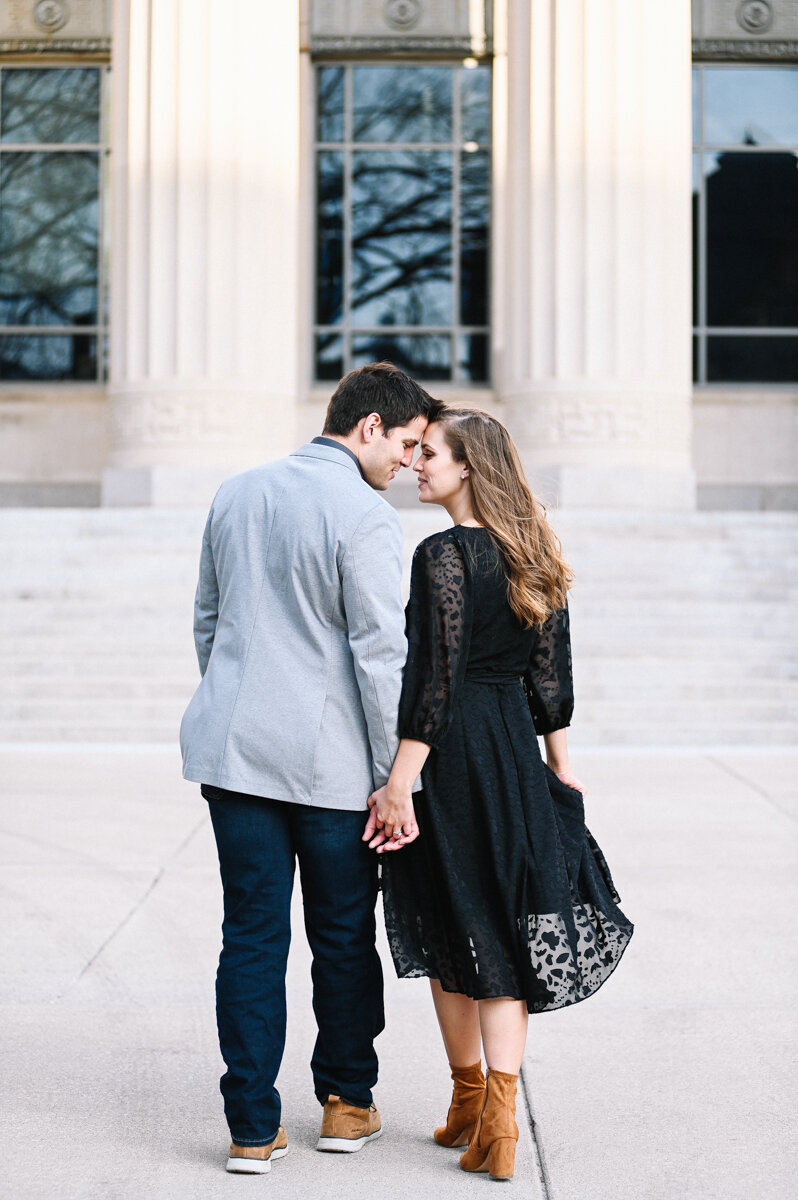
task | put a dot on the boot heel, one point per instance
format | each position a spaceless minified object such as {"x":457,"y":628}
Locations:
{"x":501,"y":1159}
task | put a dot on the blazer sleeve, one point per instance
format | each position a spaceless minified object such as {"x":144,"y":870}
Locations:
{"x":206,"y":601}
{"x":371,"y":580}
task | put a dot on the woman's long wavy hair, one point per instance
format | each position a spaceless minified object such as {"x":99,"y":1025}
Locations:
{"x":538,"y":575}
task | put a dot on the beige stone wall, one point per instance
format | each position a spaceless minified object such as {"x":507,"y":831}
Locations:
{"x":745,"y":448}
{"x":53,"y":444}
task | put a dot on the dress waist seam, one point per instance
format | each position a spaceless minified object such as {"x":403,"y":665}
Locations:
{"x":492,"y":677}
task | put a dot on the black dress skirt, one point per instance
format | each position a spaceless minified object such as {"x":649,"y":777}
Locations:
{"x":505,"y":892}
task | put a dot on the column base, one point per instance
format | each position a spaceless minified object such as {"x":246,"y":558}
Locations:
{"x":162,"y":487}
{"x":613,"y":487}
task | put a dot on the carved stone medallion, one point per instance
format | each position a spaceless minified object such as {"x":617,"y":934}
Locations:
{"x":402,"y":14}
{"x":755,"y":16}
{"x":51,"y":15}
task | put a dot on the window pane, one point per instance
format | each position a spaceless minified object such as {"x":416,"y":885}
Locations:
{"x":752,"y":244}
{"x":401,"y":238}
{"x":424,"y":357}
{"x":752,"y":360}
{"x":48,"y":239}
{"x":329,"y":357}
{"x":330,"y":108}
{"x":472,"y":357}
{"x":52,"y":106}
{"x":64,"y":357}
{"x":755,"y":106}
{"x":475,"y":104}
{"x":402,"y":104}
{"x":474,"y":184}
{"x":330,"y":238}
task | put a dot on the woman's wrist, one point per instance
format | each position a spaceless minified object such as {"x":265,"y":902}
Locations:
{"x":400,"y":785}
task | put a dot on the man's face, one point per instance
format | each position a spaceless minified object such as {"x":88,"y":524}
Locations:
{"x":383,"y":455}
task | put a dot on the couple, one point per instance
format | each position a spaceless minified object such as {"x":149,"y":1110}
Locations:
{"x":493,"y":887}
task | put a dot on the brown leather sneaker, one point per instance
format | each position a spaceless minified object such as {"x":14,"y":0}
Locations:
{"x":257,"y":1160}
{"x":345,"y":1128}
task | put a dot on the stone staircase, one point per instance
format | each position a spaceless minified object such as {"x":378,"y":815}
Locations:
{"x":684,"y":625}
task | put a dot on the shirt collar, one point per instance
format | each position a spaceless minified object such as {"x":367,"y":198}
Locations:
{"x":325,"y":441}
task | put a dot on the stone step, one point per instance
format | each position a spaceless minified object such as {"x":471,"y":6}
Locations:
{"x":130,"y":650}
{"x":714,"y":707}
{"x":582,"y":735}
{"x":689,"y":612}
{"x":590,"y":668}
{"x":127,"y":584}
{"x":112,"y":693}
{"x":741,"y":733}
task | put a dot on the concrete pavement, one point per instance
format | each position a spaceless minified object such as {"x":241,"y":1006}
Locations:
{"x":672,"y":1084}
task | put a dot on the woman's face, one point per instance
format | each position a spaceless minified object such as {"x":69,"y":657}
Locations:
{"x":440,"y":478}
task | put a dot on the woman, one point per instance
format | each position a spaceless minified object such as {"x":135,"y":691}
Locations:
{"x":504,"y":901}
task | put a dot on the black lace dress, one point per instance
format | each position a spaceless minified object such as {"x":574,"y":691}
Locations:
{"x":505,"y":892}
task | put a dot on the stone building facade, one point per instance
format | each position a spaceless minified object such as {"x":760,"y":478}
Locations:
{"x":497,"y":195}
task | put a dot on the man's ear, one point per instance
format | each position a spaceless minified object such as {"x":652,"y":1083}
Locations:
{"x":372,"y":424}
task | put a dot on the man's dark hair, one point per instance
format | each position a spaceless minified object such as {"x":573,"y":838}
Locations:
{"x":380,"y":388}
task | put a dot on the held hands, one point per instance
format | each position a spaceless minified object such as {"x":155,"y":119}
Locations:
{"x":392,"y":820}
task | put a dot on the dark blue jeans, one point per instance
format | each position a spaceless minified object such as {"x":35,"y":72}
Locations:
{"x":258,"y":841}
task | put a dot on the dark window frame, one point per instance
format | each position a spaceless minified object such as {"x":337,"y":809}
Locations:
{"x":99,"y":330}
{"x":703,"y":331}
{"x":347,"y":329}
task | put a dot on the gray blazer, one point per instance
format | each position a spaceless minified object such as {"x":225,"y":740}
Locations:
{"x":299,"y":630}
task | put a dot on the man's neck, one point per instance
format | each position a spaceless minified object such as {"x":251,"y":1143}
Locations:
{"x":347,"y":440}
{"x":350,"y":442}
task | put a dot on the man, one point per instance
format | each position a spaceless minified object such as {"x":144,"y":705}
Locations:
{"x":299,"y":632}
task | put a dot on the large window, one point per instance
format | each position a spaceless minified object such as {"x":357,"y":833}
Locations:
{"x":745,"y":211}
{"x":402,"y":191}
{"x":52,"y":167}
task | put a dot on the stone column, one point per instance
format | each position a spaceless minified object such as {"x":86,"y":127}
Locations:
{"x":592,"y":246}
{"x":205,"y":233}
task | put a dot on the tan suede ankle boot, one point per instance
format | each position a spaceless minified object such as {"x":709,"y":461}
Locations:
{"x":467,"y":1096}
{"x":492,"y":1145}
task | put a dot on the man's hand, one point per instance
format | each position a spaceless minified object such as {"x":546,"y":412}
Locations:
{"x":392,"y":820}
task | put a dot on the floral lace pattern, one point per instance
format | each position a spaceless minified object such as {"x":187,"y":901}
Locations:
{"x":438,"y":632}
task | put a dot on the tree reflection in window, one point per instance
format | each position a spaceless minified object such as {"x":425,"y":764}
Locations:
{"x":50,"y":281}
{"x":402,"y":188}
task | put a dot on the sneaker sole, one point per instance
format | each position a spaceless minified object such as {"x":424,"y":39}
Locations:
{"x":346,"y":1145}
{"x":254,"y":1166}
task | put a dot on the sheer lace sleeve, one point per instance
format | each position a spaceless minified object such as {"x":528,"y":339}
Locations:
{"x":438,"y":634}
{"x":548,"y":680}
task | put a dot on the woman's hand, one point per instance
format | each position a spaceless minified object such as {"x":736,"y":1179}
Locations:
{"x":392,"y":820}
{"x":557,"y":758}
{"x":567,"y":777}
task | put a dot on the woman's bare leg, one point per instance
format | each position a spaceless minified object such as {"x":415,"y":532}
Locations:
{"x":503,"y":1024}
{"x":458,"y":1017}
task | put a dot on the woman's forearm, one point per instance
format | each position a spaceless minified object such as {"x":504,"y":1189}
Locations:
{"x":410,"y":758}
{"x":556,"y":744}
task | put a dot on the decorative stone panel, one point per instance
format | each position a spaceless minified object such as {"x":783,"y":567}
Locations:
{"x":745,"y":29}
{"x":55,"y":26}
{"x":462,"y":27}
